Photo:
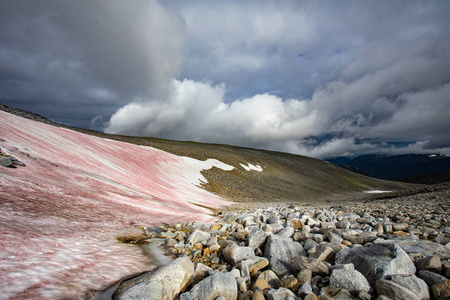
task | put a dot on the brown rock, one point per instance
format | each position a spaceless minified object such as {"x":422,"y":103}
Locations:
{"x":258,"y":295}
{"x":290,"y":282}
{"x":303,"y":276}
{"x":248,"y":295}
{"x":296,"y":223}
{"x":215,"y":227}
{"x":400,"y":226}
{"x":429,"y":263}
{"x":310,"y":297}
{"x":260,"y":284}
{"x":317,"y":267}
{"x":441,"y":291}
{"x":446,"y":268}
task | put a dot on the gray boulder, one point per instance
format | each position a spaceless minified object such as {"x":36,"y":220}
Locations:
{"x":219,"y":284}
{"x":377,"y":261}
{"x":393,"y":290}
{"x":430,"y":277}
{"x":279,"y":251}
{"x":165,"y":283}
{"x":413,"y":284}
{"x":286,"y":232}
{"x":234,"y":253}
{"x":416,"y":246}
{"x":280,"y":294}
{"x":256,"y":237}
{"x":351,"y":280}
{"x":198,"y":236}
{"x":5,"y":161}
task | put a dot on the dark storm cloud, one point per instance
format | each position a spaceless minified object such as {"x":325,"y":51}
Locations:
{"x":86,"y":58}
{"x":318,"y":78}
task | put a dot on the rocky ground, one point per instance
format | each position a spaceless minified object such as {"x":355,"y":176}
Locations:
{"x":395,"y":246}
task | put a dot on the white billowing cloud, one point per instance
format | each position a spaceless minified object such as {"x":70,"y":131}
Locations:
{"x":197,"y":111}
{"x":314,"y":78}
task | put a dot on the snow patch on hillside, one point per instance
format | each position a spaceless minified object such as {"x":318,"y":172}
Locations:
{"x":250,"y":167}
{"x":61,"y":214}
{"x":377,"y":192}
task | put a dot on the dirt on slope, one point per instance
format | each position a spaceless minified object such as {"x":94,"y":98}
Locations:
{"x":285,"y":177}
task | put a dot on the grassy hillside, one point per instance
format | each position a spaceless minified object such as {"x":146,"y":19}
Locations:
{"x":285,"y":178}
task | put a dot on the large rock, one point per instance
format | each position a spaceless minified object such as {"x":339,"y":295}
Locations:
{"x":219,"y":284}
{"x":429,"y":263}
{"x":441,"y":291}
{"x":316,"y":266}
{"x":427,"y":248}
{"x":280,"y":294}
{"x":431,"y":278}
{"x":6,"y":161}
{"x":279,"y":251}
{"x":377,"y":261}
{"x":198,"y":236}
{"x":413,"y":284}
{"x":286,"y":232}
{"x":256,"y":263}
{"x":234,"y":253}
{"x":393,"y":290}
{"x":335,"y":294}
{"x":165,"y":283}
{"x":256,"y":237}
{"x":351,"y":280}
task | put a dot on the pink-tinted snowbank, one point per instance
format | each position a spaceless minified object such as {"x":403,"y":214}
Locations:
{"x":60,"y":214}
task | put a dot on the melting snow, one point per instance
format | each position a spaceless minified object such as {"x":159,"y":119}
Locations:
{"x":250,"y":167}
{"x":377,"y":192}
{"x":60,"y":214}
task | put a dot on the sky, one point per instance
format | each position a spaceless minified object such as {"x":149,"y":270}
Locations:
{"x":316,"y":78}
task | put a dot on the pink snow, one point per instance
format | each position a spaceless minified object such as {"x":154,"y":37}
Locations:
{"x":61,"y":213}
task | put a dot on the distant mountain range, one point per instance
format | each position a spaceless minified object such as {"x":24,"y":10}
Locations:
{"x":414,"y":168}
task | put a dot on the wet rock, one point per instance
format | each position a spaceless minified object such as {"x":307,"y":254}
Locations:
{"x":219,"y":284}
{"x":393,"y":290}
{"x":414,"y":284}
{"x":377,"y":261}
{"x":165,"y":283}
{"x":351,"y":280}
{"x":279,"y":251}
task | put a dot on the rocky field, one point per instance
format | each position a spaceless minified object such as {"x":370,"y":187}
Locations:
{"x":394,"y":246}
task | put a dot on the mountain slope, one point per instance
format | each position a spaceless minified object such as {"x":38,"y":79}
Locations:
{"x":62,"y":212}
{"x":423,"y":168}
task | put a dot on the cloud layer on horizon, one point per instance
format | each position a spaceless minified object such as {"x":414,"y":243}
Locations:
{"x":313,"y":78}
